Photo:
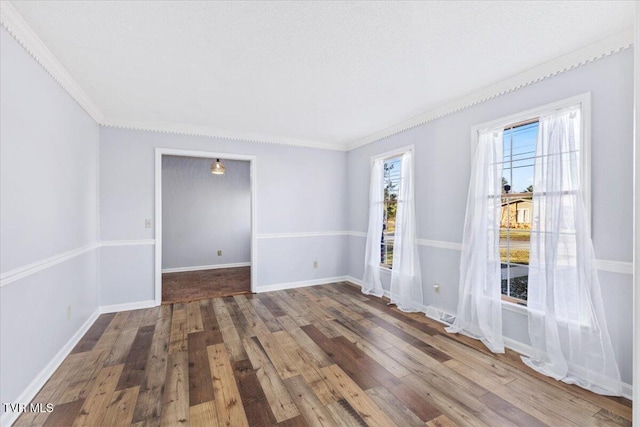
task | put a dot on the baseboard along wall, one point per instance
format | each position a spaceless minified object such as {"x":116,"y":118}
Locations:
{"x":206,"y":267}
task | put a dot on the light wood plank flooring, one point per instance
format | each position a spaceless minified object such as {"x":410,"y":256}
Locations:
{"x":204,"y":284}
{"x":320,"y":356}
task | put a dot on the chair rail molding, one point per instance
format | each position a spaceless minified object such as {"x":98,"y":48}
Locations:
{"x":29,"y":269}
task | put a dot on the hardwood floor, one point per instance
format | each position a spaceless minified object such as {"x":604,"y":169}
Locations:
{"x":320,"y":356}
{"x":205,"y":284}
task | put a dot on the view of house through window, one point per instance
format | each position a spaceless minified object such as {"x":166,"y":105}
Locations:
{"x":391,"y":187}
{"x":519,"y":150}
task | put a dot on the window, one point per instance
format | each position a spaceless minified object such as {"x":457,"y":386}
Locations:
{"x":391,"y":186}
{"x":520,"y":135}
{"x":518,"y":163}
{"x":519,"y":155}
{"x":522,"y":216}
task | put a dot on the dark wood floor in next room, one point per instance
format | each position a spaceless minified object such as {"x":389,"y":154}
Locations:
{"x":188,"y":286}
{"x":325,"y":355}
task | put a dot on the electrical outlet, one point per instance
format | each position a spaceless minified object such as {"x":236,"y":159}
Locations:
{"x":436,"y":288}
{"x":219,"y":253}
{"x":315,"y":264}
{"x":68,"y":312}
{"x":147,"y":223}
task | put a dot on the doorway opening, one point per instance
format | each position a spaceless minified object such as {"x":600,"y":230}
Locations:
{"x":205,"y":225}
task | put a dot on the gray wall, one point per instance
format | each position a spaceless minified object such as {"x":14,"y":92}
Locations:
{"x":298,"y":190}
{"x":48,"y":206}
{"x":203,"y":213}
{"x":442,"y":180}
{"x":305,"y":199}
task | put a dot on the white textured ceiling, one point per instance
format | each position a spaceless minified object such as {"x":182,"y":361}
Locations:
{"x":324,"y":72}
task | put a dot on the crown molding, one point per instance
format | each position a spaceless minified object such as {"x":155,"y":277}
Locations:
{"x":13,"y":22}
{"x":559,"y":65}
{"x":195,"y":130}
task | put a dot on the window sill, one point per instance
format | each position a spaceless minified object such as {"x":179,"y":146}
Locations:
{"x":523,"y":310}
{"x":516,"y":308}
{"x":385,"y":269}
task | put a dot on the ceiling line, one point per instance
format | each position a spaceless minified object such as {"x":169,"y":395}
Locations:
{"x":583,"y":56}
{"x":11,"y":19}
{"x":13,"y":22}
{"x":193,"y":130}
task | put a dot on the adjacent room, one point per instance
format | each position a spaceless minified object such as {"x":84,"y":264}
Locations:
{"x":206,"y":228}
{"x":367,"y":213}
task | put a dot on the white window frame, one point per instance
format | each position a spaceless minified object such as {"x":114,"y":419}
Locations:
{"x":398,"y":152}
{"x":584,"y":101}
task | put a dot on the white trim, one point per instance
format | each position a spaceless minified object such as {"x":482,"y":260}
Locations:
{"x":516,"y":308}
{"x":159,"y":152}
{"x":141,"y":242}
{"x":115,"y":308}
{"x":29,"y":269}
{"x":620,"y":267}
{"x":584,"y":100}
{"x":627,"y":392}
{"x":204,"y":154}
{"x":518,"y":347}
{"x":575,"y":59}
{"x":303,"y":234}
{"x":396,"y":152}
{"x":207,"y":131}
{"x":357,"y":233}
{"x":300,"y":284}
{"x":440,"y":244}
{"x":205,"y":267}
{"x":39,"y":381}
{"x":22,"y":32}
{"x":353,"y":280}
{"x":636,"y":223}
{"x":27,"y":38}
{"x":437,"y":314}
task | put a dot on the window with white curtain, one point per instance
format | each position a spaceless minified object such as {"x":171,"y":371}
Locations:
{"x":520,"y":134}
{"x":391,"y":235}
{"x":558,"y":275}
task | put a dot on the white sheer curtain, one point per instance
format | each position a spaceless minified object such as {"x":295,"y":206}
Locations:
{"x":406,"y":281}
{"x":479,"y":312}
{"x":371,"y":284}
{"x":566,"y":319}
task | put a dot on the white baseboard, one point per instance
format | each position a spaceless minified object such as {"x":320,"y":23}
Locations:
{"x":517,"y":346}
{"x":39,"y":381}
{"x":206,"y":267}
{"x":301,"y":284}
{"x":127,"y":306}
{"x":353,"y":280}
{"x":418,"y":307}
{"x":627,"y":391}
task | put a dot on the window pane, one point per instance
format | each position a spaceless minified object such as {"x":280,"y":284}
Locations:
{"x":387,"y":254}
{"x":517,"y":210}
{"x":391,"y":189}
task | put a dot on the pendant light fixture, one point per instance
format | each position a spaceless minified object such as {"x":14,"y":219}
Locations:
{"x":217,"y":168}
